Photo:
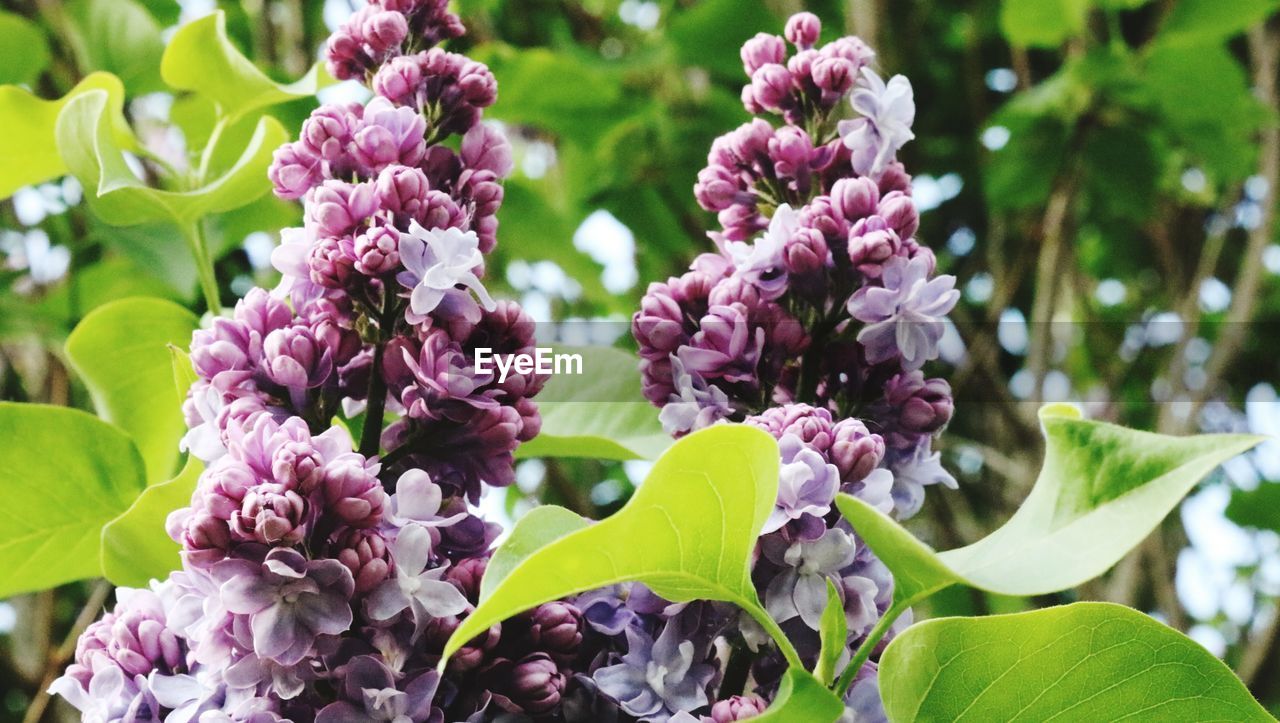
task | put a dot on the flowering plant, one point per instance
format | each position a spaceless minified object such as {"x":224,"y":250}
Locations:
{"x":340,"y":432}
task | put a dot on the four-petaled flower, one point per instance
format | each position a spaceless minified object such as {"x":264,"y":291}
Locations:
{"x":887,"y":110}
{"x":905,"y":316}
{"x":437,"y":262}
{"x":417,"y":585}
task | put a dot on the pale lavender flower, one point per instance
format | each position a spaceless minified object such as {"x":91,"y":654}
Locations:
{"x":807,"y":484}
{"x":290,"y":601}
{"x":694,"y":405}
{"x":887,"y":111}
{"x":760,"y":262}
{"x":657,"y":678}
{"x":800,"y":590}
{"x":371,"y":694}
{"x":905,"y":316}
{"x":416,"y":586}
{"x":437,"y":261}
{"x":913,"y":470}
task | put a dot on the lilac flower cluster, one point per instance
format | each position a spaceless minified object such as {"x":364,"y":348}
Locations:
{"x":812,"y":320}
{"x":322,"y":574}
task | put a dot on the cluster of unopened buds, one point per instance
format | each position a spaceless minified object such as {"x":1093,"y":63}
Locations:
{"x":324,"y":567}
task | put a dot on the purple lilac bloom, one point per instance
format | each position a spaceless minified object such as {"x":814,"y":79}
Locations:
{"x":657,"y":678}
{"x":904,"y":316}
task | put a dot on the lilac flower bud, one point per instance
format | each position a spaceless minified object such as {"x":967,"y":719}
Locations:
{"x":761,"y":50}
{"x":402,"y":190}
{"x":806,"y":253}
{"x":204,"y":537}
{"x":739,"y":707}
{"x":467,"y":575}
{"x":365,"y":554}
{"x":790,"y":148}
{"x":812,"y":425}
{"x":855,"y":198}
{"x":921,"y":406}
{"x":871,"y":245}
{"x":377,"y":250}
{"x":486,"y":148}
{"x":271,"y":514}
{"x":771,"y":86}
{"x":834,"y":76}
{"x":345,"y":57}
{"x":899,"y":212}
{"x":331,"y":262}
{"x":478,"y":85}
{"x":327,"y":131}
{"x":352,"y":491}
{"x":855,"y":451}
{"x":294,"y":359}
{"x":534,"y":686}
{"x":335,"y":208}
{"x":556,"y":629}
{"x":398,"y":80}
{"x":803,"y":29}
{"x":726,"y":345}
{"x":384,"y":31}
{"x":294,"y":171}
{"x":716,"y":188}
{"x":390,"y":135}
{"x":659,"y":325}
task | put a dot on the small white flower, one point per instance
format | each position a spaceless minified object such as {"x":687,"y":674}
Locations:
{"x":438,"y":260}
{"x":887,"y":111}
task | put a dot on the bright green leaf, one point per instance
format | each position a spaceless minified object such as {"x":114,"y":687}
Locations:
{"x":596,"y":414}
{"x":200,"y":58}
{"x":538,"y":528}
{"x":1081,"y":662}
{"x":802,"y":698}
{"x":28,"y":148}
{"x":24,"y":51}
{"x":1196,"y":21}
{"x":688,"y":533}
{"x":710,"y":33}
{"x":833,"y":633}
{"x":135,"y":546}
{"x":64,"y":475}
{"x":118,"y":36}
{"x":120,"y":198}
{"x":184,"y":375}
{"x":1042,"y":23}
{"x":121,"y":351}
{"x":1101,"y":490}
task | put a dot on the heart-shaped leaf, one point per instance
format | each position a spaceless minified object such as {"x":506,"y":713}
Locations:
{"x":596,"y":414}
{"x":200,"y":58}
{"x":1102,"y":489}
{"x":1082,"y":662}
{"x":688,"y":533}
{"x":135,"y":546}
{"x":538,"y":528}
{"x":65,"y":475}
{"x":121,"y":351}
{"x":90,"y":150}
{"x":28,"y":148}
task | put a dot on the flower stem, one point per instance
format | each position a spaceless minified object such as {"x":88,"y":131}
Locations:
{"x":194,"y":234}
{"x":775,"y":632}
{"x":376,"y":399}
{"x":868,"y":645}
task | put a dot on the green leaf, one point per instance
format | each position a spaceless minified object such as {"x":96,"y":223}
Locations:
{"x":1101,"y":490}
{"x":200,"y":58}
{"x":65,"y":474}
{"x":24,"y":51}
{"x":1042,"y":23}
{"x":86,"y":141}
{"x":599,"y":413}
{"x":1086,"y":661}
{"x":1257,"y":508}
{"x":710,"y":33}
{"x":118,"y":36}
{"x":538,"y":528}
{"x":1196,"y":21}
{"x":135,"y":546}
{"x":834,"y":634}
{"x":28,"y":148}
{"x":688,"y":533}
{"x":801,"y":698}
{"x":121,"y":351}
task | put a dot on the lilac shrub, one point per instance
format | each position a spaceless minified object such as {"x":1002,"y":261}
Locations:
{"x":321,"y":575}
{"x":812,"y":320}
{"x":324,"y":569}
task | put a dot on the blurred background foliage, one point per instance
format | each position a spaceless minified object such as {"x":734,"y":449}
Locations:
{"x":1100,"y":175}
